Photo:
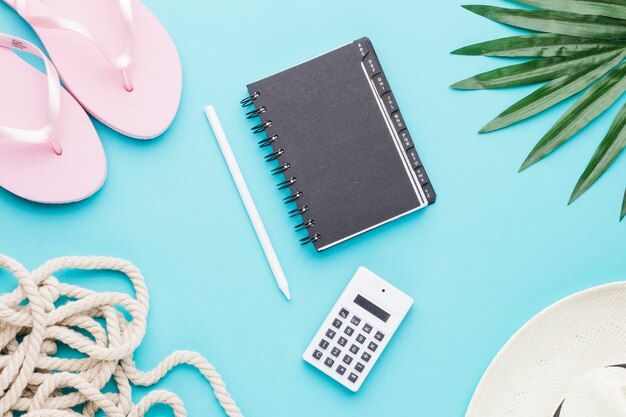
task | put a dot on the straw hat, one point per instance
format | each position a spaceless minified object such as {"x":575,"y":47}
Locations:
{"x":564,"y":362}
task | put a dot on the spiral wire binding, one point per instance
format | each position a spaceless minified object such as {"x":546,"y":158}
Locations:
{"x":305,"y":225}
{"x":261,"y":127}
{"x":248,"y":101}
{"x":306,"y":240}
{"x":293,"y":197}
{"x":287,"y":183}
{"x":256,"y":112}
{"x":281,"y":169}
{"x":274,"y":155}
{"x":299,"y":210}
{"x":268,"y":141}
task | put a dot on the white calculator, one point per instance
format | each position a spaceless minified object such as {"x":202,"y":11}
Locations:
{"x":358,"y":328}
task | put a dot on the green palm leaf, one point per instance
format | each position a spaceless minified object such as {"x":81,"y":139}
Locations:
{"x":623,"y":208}
{"x":538,"y":45}
{"x":551,"y":93}
{"x":581,"y":47}
{"x":608,"y":8}
{"x":595,"y":101}
{"x":564,"y":23}
{"x":532,"y":72}
{"x":610,"y":148}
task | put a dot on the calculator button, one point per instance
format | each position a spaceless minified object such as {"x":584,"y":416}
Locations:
{"x":353,"y":377}
{"x":317,"y":354}
{"x":342,"y":341}
{"x":330,"y":334}
{"x":347,"y":359}
{"x":367,"y":328}
{"x":372,"y":346}
{"x":366,"y":356}
{"x":349,"y":330}
{"x":355,"y":320}
{"x":329,"y":362}
{"x":341,"y":370}
{"x":379,"y":336}
{"x":359,"y":367}
{"x":344,"y":313}
{"x":354,"y":349}
{"x":360,"y":338}
{"x":323,"y":344}
{"x":337,"y":323}
{"x":335,"y":352}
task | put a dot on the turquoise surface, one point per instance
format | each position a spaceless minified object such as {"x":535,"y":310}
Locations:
{"x":496,"y":248}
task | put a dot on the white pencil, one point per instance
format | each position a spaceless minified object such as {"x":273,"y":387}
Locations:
{"x":259,"y":228}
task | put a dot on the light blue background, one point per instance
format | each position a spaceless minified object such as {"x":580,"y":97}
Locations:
{"x":496,"y":248}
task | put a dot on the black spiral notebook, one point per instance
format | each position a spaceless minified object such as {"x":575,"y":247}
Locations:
{"x":340,"y":145}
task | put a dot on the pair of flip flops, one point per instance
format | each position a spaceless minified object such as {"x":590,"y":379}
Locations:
{"x":117,"y":62}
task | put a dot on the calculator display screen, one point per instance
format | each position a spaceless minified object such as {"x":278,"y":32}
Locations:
{"x":372,"y":308}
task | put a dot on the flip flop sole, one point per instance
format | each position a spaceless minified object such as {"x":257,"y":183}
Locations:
{"x":34,"y":171}
{"x":156,"y":72}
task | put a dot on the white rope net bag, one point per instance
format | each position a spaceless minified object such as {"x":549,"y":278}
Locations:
{"x":32,"y":375}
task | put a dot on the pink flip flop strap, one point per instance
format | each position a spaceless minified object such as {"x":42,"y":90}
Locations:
{"x":120,"y":61}
{"x":47,"y":132}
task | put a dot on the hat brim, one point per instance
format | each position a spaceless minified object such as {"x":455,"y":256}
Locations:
{"x":532,"y":373}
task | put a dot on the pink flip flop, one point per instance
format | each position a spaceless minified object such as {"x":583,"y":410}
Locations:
{"x":49,"y":149}
{"x":115,"y":57}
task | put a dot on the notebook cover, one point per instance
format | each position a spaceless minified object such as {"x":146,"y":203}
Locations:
{"x":344,"y":139}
